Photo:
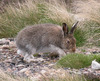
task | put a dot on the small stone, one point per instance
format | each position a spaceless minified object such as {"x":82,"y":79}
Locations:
{"x":9,"y":70}
{"x":43,"y":72}
{"x":9,"y":60}
{"x":90,"y":70}
{"x":20,"y":65}
{"x":5,"y":47}
{"x":87,"y":53}
{"x":23,"y":70}
{"x":50,"y":65}
{"x":40,"y":59}
{"x":79,"y":73}
{"x":28,"y":73}
{"x":12,"y":45}
{"x":1,"y":43}
{"x":4,"y":41}
{"x":85,"y":72}
{"x":11,"y":39}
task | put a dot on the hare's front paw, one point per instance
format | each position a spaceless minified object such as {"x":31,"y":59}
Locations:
{"x":29,"y":58}
{"x":32,"y":59}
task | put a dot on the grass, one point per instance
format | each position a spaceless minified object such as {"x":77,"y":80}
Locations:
{"x":62,"y":75}
{"x":7,"y":77}
{"x":77,"y":61}
{"x":31,"y":12}
{"x":89,"y":11}
{"x":93,"y":33}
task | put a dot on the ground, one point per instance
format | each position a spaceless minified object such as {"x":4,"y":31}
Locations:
{"x":13,"y":63}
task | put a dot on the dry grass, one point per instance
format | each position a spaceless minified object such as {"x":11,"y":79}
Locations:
{"x":7,"y":77}
{"x":61,"y":75}
{"x":16,"y":17}
{"x":58,"y":11}
{"x":31,"y":12}
{"x":89,"y":12}
{"x":51,"y":75}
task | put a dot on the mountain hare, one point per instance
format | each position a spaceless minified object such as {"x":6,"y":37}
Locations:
{"x":43,"y":38}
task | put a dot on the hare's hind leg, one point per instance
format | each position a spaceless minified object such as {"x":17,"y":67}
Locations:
{"x":57,"y":50}
{"x":52,"y":48}
{"x":29,"y":58}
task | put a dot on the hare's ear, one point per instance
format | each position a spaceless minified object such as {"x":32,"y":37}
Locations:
{"x":65,"y":29}
{"x":73,"y":27}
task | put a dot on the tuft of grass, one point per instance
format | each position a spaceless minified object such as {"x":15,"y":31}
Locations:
{"x":77,"y":61}
{"x":80,"y":37}
{"x":7,"y":77}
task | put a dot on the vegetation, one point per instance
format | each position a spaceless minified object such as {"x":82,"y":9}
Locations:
{"x":8,"y":77}
{"x":63,"y":76}
{"x":77,"y":60}
{"x":30,"y":12}
{"x":89,"y":11}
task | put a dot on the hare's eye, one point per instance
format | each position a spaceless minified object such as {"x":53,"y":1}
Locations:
{"x":67,"y":42}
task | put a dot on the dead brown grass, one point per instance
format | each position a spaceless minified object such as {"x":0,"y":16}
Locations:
{"x":7,"y":77}
{"x":88,"y":11}
{"x":61,"y":75}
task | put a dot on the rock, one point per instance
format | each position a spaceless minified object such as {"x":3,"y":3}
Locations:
{"x":11,"y":39}
{"x":4,"y":41}
{"x":85,"y":72}
{"x":40,"y":59}
{"x":20,"y":65}
{"x":12,"y":44}
{"x":23,"y":70}
{"x":8,"y":61}
{"x":9,"y":70}
{"x":94,"y":52}
{"x":5,"y":47}
{"x":28,"y":73}
{"x":43,"y":72}
{"x":1,"y":43}
{"x":51,"y":65}
{"x":87,"y":53}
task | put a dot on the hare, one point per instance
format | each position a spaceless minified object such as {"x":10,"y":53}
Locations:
{"x":43,"y":38}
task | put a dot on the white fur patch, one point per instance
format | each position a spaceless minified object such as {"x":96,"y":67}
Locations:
{"x":52,"y":48}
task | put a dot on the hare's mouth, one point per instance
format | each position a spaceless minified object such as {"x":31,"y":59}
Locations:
{"x":73,"y":50}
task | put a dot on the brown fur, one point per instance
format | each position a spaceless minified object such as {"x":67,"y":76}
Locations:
{"x":44,"y":37}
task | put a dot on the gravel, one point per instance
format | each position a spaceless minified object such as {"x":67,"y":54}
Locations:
{"x":13,"y":63}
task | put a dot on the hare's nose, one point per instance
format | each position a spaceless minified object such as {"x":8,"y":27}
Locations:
{"x":73,"y":49}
